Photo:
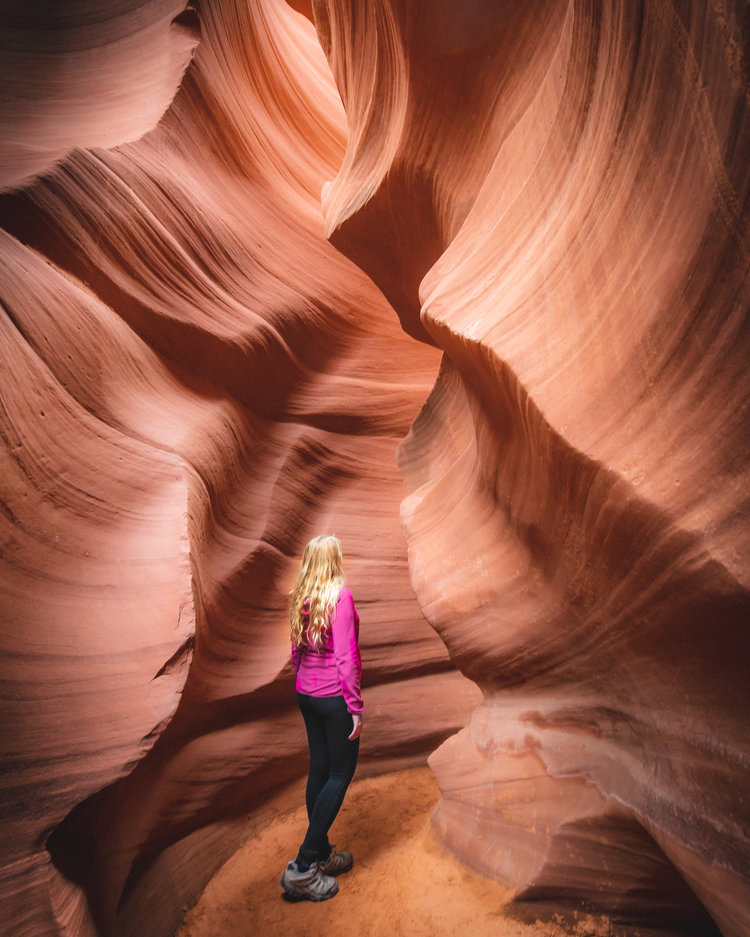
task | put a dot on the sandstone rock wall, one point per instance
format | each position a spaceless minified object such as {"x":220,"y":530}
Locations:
{"x":194,"y":382}
{"x":574,"y":177}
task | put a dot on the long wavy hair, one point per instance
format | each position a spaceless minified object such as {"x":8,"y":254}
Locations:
{"x":316,"y":590}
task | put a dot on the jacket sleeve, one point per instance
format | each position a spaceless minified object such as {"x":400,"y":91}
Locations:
{"x":345,"y":629}
{"x":296,"y":656}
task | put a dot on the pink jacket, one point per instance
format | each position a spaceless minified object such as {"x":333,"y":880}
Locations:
{"x":335,"y":668}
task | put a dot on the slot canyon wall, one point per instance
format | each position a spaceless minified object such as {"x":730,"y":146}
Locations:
{"x":251,"y":252}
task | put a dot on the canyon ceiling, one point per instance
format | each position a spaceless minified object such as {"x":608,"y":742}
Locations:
{"x":464,"y":282}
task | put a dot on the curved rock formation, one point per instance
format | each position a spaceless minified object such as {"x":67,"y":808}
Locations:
{"x":194,"y":382}
{"x":551,"y":197}
{"x":559,"y":205}
{"x":85,"y":74}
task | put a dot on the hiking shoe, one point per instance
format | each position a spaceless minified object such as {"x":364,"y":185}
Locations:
{"x":337,"y":863}
{"x":307,"y":886}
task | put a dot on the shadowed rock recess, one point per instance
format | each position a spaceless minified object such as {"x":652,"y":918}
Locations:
{"x":465,"y":283}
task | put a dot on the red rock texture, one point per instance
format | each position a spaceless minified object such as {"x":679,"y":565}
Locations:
{"x":574,"y":178}
{"x":194,"y":382}
{"x":550,"y":199}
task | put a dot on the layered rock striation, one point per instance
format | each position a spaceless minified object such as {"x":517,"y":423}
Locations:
{"x":194,"y":382}
{"x":530,"y":270}
{"x":559,"y":205}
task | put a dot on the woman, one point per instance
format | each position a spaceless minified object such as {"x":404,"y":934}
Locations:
{"x":326,"y":658}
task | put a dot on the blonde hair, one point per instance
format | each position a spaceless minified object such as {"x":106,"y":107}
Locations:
{"x":316,"y":590}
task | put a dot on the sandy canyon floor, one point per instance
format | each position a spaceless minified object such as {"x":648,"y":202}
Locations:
{"x":403,"y":881}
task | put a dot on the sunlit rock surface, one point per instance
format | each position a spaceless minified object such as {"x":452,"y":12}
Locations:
{"x":194,"y":382}
{"x":551,"y":197}
{"x":559,"y":204}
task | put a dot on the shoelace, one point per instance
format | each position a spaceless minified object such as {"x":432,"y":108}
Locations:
{"x":318,"y":883}
{"x":336,"y":862}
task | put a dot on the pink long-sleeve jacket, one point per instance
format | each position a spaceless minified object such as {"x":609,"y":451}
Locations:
{"x":335,"y":668}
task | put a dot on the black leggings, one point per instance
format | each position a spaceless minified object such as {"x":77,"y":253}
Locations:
{"x":333,"y":759}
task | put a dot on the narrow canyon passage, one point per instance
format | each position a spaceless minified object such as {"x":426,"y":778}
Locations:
{"x":465,"y":284}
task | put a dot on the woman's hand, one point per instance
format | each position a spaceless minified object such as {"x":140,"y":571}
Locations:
{"x":357,"y":720}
